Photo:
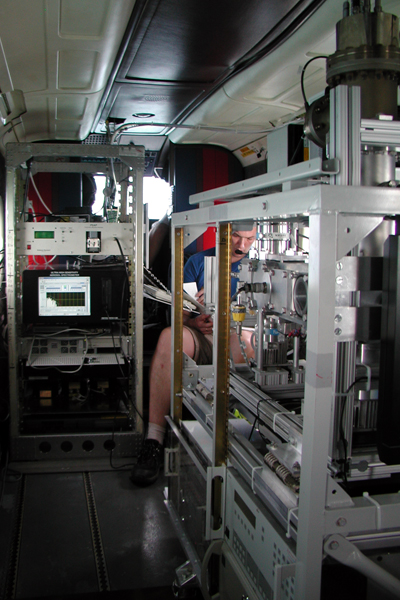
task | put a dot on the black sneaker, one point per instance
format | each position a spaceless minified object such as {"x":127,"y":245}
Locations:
{"x":148,"y":464}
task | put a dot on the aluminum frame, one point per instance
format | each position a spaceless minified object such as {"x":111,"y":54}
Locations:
{"x":328,"y":209}
{"x":132,"y":164}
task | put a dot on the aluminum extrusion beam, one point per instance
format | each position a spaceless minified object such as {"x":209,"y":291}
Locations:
{"x":271,"y":413}
{"x":222,"y":344}
{"x":380,"y":133}
{"x":297,"y":203}
{"x":177,"y":326}
{"x":19,"y":153}
{"x":348,"y":554}
{"x":304,"y":170}
{"x":317,"y":405}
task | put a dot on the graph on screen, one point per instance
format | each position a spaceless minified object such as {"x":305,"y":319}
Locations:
{"x":64,"y":296}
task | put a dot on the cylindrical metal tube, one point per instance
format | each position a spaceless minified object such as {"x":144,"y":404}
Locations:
{"x":378,"y":165}
{"x":368,"y":56}
{"x":259,"y":341}
{"x":296,"y":349}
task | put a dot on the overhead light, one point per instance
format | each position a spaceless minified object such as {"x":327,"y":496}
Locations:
{"x":143,"y":115}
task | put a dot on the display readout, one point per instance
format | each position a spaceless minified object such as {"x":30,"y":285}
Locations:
{"x":44,"y":235}
{"x":64,"y":296}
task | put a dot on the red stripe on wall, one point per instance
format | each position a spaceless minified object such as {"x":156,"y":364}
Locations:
{"x":43,"y":184}
{"x":215,"y":174}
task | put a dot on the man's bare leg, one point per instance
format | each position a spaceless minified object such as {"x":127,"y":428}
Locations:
{"x":236,"y":351}
{"x":160,"y":375}
{"x":147,"y":468}
{"x":160,"y":370}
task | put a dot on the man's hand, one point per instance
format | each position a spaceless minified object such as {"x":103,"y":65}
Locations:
{"x":200,"y":296}
{"x":203,"y":323}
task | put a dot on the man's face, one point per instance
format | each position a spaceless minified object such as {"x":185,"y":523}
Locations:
{"x":241,"y":243}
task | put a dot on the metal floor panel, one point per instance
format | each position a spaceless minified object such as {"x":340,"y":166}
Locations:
{"x":56,"y":552}
{"x":140,"y":544}
{"x":56,"y":547}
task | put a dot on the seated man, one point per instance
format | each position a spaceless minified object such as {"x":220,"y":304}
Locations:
{"x":197,"y":344}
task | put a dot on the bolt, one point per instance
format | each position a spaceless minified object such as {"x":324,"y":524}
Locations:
{"x":341,"y":522}
{"x":338,"y":318}
{"x":339,"y":266}
{"x":339,"y":280}
{"x":338,"y":331}
{"x":334,"y":545}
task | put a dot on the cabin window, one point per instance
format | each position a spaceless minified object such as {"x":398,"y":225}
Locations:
{"x":157,"y":194}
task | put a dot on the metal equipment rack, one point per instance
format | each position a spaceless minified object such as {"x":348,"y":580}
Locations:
{"x":270,"y":539}
{"x":42,"y":449}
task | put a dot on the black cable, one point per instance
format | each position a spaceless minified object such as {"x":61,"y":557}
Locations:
{"x":235,"y":295}
{"x":29,"y":165}
{"x":3,"y":480}
{"x":256,"y":419}
{"x":122,"y":373}
{"x":127,"y":280}
{"x":123,"y":390}
{"x":6,"y":474}
{"x":128,"y":400}
{"x":296,"y":150}
{"x":123,"y":258}
{"x":306,"y":105}
{"x":112,"y":445}
{"x":342,"y":437}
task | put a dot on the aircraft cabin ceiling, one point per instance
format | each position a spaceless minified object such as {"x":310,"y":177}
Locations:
{"x":221,"y":72}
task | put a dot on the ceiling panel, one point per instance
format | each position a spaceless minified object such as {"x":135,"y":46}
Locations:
{"x":164,"y":101}
{"x":85,"y":20}
{"x":177,"y":54}
{"x":60,"y":54}
{"x":272,"y":84}
{"x":198,"y":41}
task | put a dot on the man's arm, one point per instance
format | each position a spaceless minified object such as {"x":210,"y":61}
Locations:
{"x":202,"y":322}
{"x":157,"y":235}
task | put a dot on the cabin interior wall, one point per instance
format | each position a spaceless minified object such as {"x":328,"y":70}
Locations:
{"x":198,"y":168}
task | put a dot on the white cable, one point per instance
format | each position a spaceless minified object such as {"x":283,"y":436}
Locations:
{"x":44,"y":367}
{"x":277,"y":414}
{"x":38,"y":195}
{"x":30,"y":351}
{"x":83,"y":359}
{"x":378,"y":509}
{"x":253,"y":471}
{"x":46,"y":264}
{"x":85,"y":331}
{"x":290,"y":513}
{"x":122,"y":128}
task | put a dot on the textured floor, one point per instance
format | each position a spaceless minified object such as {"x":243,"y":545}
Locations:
{"x":56,"y":558}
